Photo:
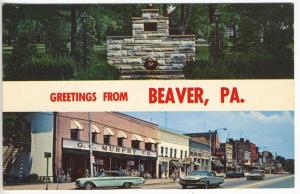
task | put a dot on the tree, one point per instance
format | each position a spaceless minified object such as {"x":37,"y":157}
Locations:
{"x":86,"y":41}
{"x":16,"y":129}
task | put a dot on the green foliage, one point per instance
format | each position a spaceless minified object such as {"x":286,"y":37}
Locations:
{"x":57,"y":36}
{"x":86,"y":40}
{"x":239,"y":65}
{"x":99,"y":71}
{"x":15,"y":129}
{"x":43,"y":67}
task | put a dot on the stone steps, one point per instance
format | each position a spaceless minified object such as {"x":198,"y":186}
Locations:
{"x":154,"y":74}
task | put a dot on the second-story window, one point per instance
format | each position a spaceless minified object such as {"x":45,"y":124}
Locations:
{"x":120,"y":142}
{"x":106,"y":139}
{"x":166,"y":152}
{"x":162,"y":151}
{"x":175,"y":153}
{"x":148,"y":146}
{"x":135,"y":144}
{"x":94,"y":137}
{"x":74,"y":134}
{"x":171,"y":152}
{"x":185,"y":154}
{"x":181,"y":154}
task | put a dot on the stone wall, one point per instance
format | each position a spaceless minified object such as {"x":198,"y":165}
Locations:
{"x":130,"y":52}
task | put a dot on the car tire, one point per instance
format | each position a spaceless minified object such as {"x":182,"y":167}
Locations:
{"x":206,"y":186}
{"x":127,"y":185}
{"x":89,"y":186}
{"x":184,"y":186}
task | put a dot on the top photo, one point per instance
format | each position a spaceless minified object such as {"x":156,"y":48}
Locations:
{"x":147,"y":41}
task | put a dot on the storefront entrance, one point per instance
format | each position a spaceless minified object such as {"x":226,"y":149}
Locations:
{"x":76,"y":164}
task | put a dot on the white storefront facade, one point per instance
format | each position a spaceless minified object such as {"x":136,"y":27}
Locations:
{"x":173,"y":153}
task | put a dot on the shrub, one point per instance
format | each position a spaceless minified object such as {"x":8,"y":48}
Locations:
{"x":238,"y":65}
{"x":98,"y":71}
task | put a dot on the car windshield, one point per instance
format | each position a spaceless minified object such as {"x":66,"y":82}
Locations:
{"x":199,"y":173}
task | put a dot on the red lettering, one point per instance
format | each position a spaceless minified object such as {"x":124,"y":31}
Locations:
{"x":224,"y":93}
{"x":152,"y":95}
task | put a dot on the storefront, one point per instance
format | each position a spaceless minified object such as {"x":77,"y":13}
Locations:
{"x":173,"y":149}
{"x":120,"y":142}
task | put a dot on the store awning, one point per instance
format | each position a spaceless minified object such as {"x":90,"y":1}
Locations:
{"x":218,"y":164}
{"x":175,"y":163}
{"x":196,"y":163}
{"x":108,"y":131}
{"x":95,"y":129}
{"x":76,"y":125}
{"x":150,"y":140}
{"x":137,"y":137}
{"x":121,"y":134}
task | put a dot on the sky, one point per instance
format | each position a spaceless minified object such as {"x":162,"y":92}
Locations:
{"x":272,"y":131}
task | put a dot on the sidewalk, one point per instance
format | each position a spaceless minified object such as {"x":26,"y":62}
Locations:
{"x":70,"y":186}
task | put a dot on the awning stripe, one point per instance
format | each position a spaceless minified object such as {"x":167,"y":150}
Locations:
{"x":137,"y":137}
{"x":95,"y":129}
{"x":108,"y":131}
{"x":76,"y":125}
{"x":150,"y":140}
{"x":121,"y":134}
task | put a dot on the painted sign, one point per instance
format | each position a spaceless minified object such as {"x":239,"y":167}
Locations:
{"x":73,"y":144}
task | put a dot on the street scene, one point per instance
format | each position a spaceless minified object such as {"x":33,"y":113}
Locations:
{"x":147,"y":150}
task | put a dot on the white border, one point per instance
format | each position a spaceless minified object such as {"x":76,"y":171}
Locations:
{"x":228,"y":191}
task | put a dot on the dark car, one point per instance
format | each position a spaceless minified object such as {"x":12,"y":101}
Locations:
{"x":235,"y":174}
{"x":256,"y":175}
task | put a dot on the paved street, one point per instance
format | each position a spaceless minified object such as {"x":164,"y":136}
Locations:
{"x":271,"y":181}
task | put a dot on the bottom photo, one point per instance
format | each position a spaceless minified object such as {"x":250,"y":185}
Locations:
{"x":148,"y":150}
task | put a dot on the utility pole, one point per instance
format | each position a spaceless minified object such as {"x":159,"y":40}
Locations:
{"x":210,"y":150}
{"x":91,"y":145}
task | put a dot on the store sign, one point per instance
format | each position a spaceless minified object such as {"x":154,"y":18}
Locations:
{"x":73,"y":144}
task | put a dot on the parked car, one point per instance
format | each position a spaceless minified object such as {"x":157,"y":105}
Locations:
{"x":235,"y":174}
{"x":256,"y":175}
{"x":109,"y":179}
{"x":201,"y":178}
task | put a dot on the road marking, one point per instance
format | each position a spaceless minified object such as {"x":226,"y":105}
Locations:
{"x":254,"y":185}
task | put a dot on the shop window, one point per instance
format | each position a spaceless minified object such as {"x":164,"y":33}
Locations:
{"x":148,"y":146}
{"x":151,"y":26}
{"x":166,"y":152}
{"x":135,"y":144}
{"x":171,"y":152}
{"x":106,"y":139}
{"x":181,"y":153}
{"x":74,"y":134}
{"x":94,"y":137}
{"x":120,"y":142}
{"x":175,"y":153}
{"x":162,"y":151}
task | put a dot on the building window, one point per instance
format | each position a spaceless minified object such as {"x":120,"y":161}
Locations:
{"x":150,"y":26}
{"x":162,"y":151}
{"x":181,"y":153}
{"x":171,"y":152}
{"x":94,"y":137}
{"x":148,"y":146}
{"x":106,"y":139}
{"x":120,"y":142}
{"x":166,"y":152}
{"x":185,"y":154}
{"x":135,"y":144}
{"x":175,"y":153}
{"x":74,"y":134}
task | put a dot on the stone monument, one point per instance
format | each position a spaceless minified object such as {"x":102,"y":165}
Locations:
{"x":151,"y":52}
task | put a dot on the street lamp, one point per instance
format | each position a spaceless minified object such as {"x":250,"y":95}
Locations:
{"x":216,"y":17}
{"x":210,"y":144}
